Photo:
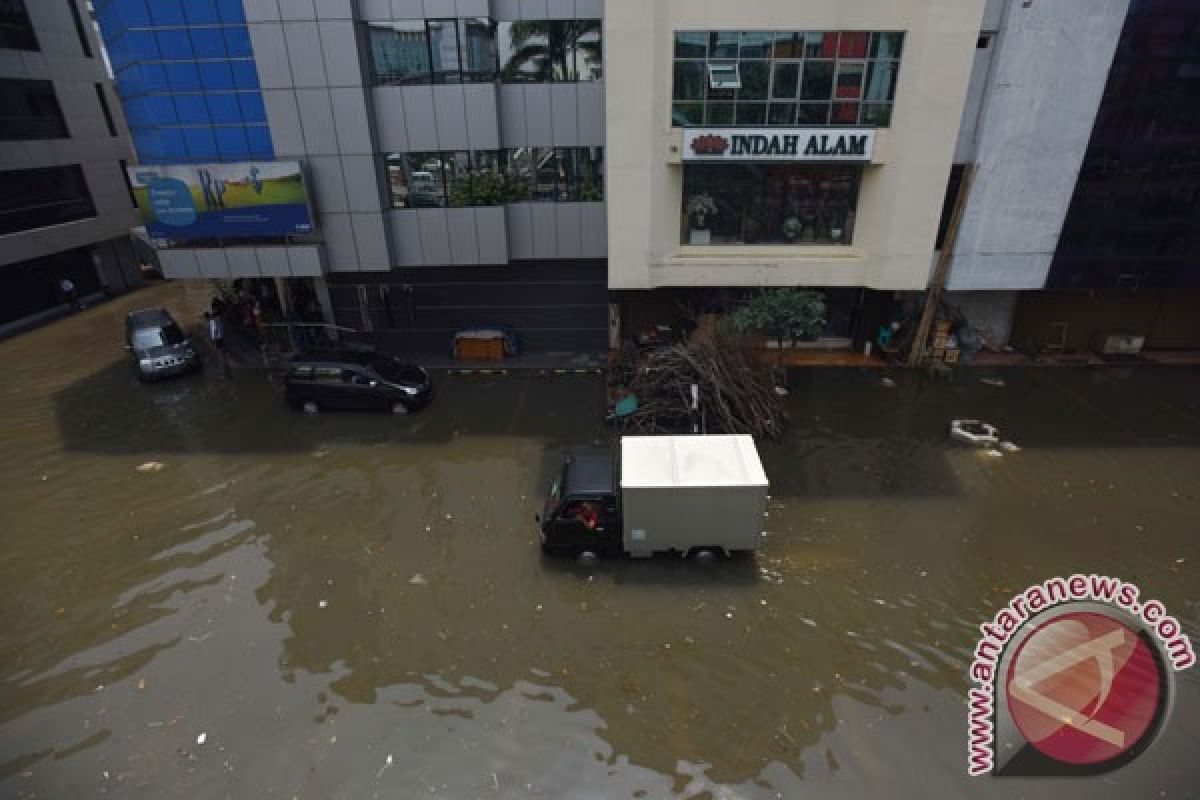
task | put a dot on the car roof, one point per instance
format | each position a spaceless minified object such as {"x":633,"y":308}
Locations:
{"x":148,"y":317}
{"x":589,"y":473}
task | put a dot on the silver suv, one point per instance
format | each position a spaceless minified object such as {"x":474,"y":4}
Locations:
{"x":157,"y":346}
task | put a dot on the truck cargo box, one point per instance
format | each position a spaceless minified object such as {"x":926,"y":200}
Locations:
{"x":685,"y":492}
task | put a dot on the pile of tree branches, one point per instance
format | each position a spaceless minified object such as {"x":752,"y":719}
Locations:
{"x":735,"y":396}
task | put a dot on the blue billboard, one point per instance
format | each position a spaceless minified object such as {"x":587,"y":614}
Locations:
{"x":248,"y":200}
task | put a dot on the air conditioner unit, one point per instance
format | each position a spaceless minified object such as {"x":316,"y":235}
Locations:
{"x":1122,"y":344}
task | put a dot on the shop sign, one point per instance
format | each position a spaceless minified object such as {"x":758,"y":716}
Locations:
{"x":778,"y":144}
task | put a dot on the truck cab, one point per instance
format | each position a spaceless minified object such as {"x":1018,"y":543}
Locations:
{"x":582,"y":512}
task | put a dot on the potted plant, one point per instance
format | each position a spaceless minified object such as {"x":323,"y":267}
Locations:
{"x":699,"y":208}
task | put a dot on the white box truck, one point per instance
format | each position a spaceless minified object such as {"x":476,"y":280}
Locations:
{"x":683,"y":494}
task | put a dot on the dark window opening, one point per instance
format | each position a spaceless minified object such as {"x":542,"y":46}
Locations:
{"x":37,"y":198}
{"x":16,"y":31}
{"x":982,"y":42}
{"x":108,"y":118}
{"x":30,"y":110}
{"x":952,"y":187}
{"x":79,"y":29}
{"x":128,"y":185}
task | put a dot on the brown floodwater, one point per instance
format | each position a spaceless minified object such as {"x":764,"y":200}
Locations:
{"x":356,"y":606}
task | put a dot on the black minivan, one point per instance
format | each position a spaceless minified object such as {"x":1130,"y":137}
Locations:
{"x":358,"y":380}
{"x":157,"y":346}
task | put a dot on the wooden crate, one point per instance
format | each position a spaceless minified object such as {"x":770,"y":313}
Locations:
{"x":951,"y":356}
{"x":479,"y":350}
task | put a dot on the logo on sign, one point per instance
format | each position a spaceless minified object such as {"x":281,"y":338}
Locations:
{"x":710,"y":145}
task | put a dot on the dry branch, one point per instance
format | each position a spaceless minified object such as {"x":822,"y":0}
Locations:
{"x":735,"y":395}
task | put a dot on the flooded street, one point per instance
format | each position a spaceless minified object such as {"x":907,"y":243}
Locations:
{"x":355,"y":605}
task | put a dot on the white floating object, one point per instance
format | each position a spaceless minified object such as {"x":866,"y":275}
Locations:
{"x":887,"y":383}
{"x":972,"y":431}
{"x":151,"y":466}
{"x":202,"y":738}
{"x":995,"y":454}
{"x":1009,"y":447}
{"x":322,"y":604}
{"x":418,"y":580}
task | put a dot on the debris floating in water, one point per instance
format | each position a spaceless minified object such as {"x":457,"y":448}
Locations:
{"x":323,"y":604}
{"x":998,"y":382}
{"x":887,"y":383}
{"x":995,"y":453}
{"x":202,"y":738}
{"x":151,"y":466}
{"x":418,"y":580}
{"x":1009,"y":447}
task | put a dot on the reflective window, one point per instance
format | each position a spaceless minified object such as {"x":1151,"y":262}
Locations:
{"x":800,"y":204}
{"x":495,"y":177}
{"x":830,"y":75}
{"x":422,"y":51}
{"x":550,"y":50}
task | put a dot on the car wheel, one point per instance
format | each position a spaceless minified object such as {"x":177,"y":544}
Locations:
{"x":310,"y":407}
{"x":704,"y":554}
{"x":399,"y":409}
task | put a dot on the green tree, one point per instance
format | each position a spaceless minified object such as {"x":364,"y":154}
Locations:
{"x":552,"y":48}
{"x":781,"y":314}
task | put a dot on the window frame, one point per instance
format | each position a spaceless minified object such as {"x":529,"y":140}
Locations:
{"x":872,"y":56}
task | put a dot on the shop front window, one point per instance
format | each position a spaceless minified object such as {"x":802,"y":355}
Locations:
{"x":776,"y":204}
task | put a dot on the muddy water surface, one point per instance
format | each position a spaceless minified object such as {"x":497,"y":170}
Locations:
{"x":355,"y":605}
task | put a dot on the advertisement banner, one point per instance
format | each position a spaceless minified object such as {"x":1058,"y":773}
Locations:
{"x":247,"y":200}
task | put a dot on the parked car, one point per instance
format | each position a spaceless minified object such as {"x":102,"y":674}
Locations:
{"x":359,"y":380}
{"x":157,"y":346}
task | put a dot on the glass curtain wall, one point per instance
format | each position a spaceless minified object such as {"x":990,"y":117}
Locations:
{"x":187,"y":79}
{"x":784,"y":78}
{"x":475,"y":49}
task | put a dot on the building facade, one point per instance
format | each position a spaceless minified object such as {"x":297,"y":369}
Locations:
{"x":774,"y":143}
{"x":66,"y":208}
{"x":1083,"y":216}
{"x":452,"y":154}
{"x":579,"y":170}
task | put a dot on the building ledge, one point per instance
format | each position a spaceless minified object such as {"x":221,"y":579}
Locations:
{"x":763,"y":256}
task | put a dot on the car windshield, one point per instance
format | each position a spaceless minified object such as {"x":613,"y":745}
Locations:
{"x":393,"y":369}
{"x":157,"y":337}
